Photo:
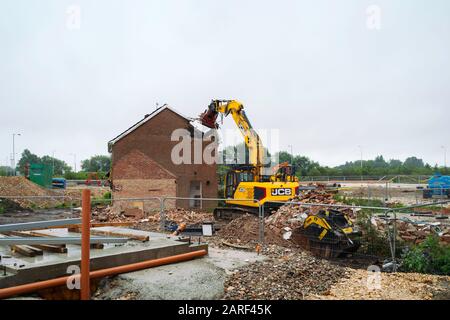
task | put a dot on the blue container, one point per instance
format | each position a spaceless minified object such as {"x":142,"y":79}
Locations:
{"x":59,"y":183}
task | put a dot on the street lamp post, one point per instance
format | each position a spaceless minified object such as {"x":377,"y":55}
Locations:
{"x":74,"y":162}
{"x":53,"y":161}
{"x":361,"y":161}
{"x":292,"y":154}
{"x":445,"y":157}
{"x":14,"y":151}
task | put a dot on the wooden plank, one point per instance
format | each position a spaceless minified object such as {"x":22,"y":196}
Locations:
{"x":97,"y":245}
{"x":23,"y":250}
{"x":142,"y":238}
{"x":37,"y":251}
{"x":51,"y":248}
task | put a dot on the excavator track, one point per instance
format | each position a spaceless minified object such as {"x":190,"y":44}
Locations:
{"x":231,"y":213}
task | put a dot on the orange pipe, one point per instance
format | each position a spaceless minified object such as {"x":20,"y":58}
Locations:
{"x":31,"y":287}
{"x":85,"y":244}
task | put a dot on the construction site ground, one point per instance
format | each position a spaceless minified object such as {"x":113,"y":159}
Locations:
{"x":234,"y":269}
{"x":277,"y":272}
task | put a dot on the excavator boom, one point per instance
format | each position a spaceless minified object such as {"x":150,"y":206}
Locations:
{"x":251,"y":138}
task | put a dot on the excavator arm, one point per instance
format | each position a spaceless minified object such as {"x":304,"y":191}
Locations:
{"x":251,"y":138}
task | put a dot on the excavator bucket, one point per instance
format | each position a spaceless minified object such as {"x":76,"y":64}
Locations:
{"x":208,"y":118}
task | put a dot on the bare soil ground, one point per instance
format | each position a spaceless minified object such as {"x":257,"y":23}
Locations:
{"x":362,"y":285}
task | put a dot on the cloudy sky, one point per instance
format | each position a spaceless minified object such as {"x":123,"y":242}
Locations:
{"x":329,"y":75}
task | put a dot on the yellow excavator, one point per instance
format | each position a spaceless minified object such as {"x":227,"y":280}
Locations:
{"x":246,"y":182}
{"x":330,"y":233}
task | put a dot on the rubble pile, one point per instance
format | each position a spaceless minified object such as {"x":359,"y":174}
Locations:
{"x":284,"y":275}
{"x":178,"y":215}
{"x":105,"y":213}
{"x":278,"y":227}
{"x":291,"y":216}
{"x":415,"y":232}
{"x":245,"y":230}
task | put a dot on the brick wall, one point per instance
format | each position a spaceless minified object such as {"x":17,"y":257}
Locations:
{"x":145,"y":153}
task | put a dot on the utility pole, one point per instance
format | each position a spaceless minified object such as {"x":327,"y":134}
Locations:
{"x":292,"y":154}
{"x":14,"y":151}
{"x":445,"y":158}
{"x":74,"y":162}
{"x":361,"y":161}
{"x":53,"y":161}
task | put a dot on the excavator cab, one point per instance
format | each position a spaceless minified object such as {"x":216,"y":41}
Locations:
{"x":234,"y":177}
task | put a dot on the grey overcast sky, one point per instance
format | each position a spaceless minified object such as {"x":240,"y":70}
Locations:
{"x":315,"y":70}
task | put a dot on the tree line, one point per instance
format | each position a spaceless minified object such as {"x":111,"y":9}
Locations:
{"x":376,"y":167}
{"x":98,"y":163}
{"x":304,"y":166}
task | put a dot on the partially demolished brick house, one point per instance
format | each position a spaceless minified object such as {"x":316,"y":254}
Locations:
{"x":142,"y":165}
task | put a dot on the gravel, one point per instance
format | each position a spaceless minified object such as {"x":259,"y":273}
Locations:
{"x":287,"y":274}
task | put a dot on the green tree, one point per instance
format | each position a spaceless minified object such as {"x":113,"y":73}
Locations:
{"x":97,"y":163}
{"x":59,"y":166}
{"x":27,"y":158}
{"x":5,"y":171}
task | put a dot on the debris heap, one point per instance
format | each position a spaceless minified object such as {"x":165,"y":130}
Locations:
{"x":278,"y":227}
{"x":413,"y":231}
{"x":285,"y":275}
{"x":245,"y":230}
{"x":178,"y":215}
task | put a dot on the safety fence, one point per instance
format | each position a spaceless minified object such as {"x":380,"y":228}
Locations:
{"x":391,"y":193}
{"x":407,"y":179}
{"x":382,"y":227}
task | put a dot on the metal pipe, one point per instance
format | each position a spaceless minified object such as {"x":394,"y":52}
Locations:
{"x":31,"y":287}
{"x":37,"y":224}
{"x":85,"y":244}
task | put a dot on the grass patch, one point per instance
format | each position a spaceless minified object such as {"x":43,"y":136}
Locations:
{"x":358,"y":201}
{"x":430,"y":256}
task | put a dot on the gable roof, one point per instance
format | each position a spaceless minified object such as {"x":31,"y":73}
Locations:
{"x":147,"y":117}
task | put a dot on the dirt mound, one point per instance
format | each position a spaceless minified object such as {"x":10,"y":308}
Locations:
{"x":7,"y":205}
{"x":21,"y":187}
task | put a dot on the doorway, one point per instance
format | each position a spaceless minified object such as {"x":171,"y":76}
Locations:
{"x":195,"y":191}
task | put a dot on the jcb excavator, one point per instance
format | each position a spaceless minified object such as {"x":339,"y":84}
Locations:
{"x":329,"y":233}
{"x":246,"y":182}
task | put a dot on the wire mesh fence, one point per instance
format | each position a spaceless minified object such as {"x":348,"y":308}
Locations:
{"x":381,"y":230}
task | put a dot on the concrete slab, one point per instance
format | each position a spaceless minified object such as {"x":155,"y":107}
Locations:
{"x":195,"y":279}
{"x":18,"y":269}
